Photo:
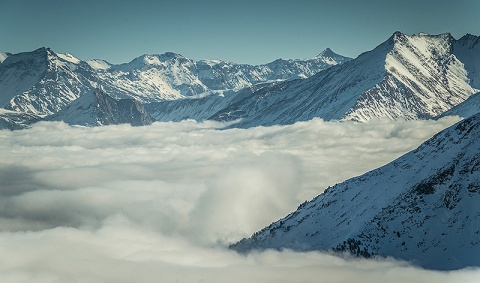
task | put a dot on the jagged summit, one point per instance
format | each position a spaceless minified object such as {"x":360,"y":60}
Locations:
{"x":327,"y":53}
{"x":149,"y":59}
{"x":42,"y":82}
{"x":470,"y":38}
{"x":422,"y":207}
{"x":26,"y":57}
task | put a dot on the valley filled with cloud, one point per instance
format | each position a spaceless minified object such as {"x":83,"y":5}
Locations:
{"x":161,"y":203}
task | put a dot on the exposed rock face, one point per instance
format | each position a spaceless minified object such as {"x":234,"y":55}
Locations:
{"x":98,"y":108}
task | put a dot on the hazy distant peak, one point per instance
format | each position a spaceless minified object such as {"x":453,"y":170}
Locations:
{"x":327,"y":53}
{"x":469,"y":40}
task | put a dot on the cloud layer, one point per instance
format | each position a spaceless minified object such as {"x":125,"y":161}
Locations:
{"x":159,"y":203}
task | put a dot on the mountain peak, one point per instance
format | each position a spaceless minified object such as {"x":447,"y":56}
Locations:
{"x":327,"y":53}
{"x":38,"y":55}
{"x":171,"y":55}
{"x":469,"y":40}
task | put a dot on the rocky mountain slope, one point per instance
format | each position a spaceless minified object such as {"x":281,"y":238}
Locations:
{"x":97,"y":108}
{"x":408,"y":77}
{"x":422,"y":207}
{"x":412,"y":77}
{"x":13,"y":120}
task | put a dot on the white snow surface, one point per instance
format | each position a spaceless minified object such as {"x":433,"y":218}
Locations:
{"x":43,"y":82}
{"x":3,"y":56}
{"x":422,"y":208}
{"x":406,"y":77}
{"x":69,"y":58}
{"x":98,"y":64}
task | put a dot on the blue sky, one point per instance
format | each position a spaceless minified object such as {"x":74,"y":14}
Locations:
{"x":246,"y":31}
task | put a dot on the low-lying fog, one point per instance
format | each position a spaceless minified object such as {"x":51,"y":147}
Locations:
{"x":161,"y":203}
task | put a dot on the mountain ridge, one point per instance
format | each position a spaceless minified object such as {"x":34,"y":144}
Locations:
{"x":416,"y":76}
{"x":407,"y":77}
{"x":421,"y":207}
{"x":42,"y":82}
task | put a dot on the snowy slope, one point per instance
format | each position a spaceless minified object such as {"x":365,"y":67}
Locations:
{"x":42,"y":82}
{"x":469,"y":107}
{"x":422,"y":207}
{"x":97,"y":108}
{"x":411,"y":77}
{"x":98,"y":64}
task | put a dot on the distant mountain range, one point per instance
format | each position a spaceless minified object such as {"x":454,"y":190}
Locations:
{"x":408,"y":76}
{"x":422,"y":208}
{"x":43,"y":82}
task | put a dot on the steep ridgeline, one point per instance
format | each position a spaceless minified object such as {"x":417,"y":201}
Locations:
{"x":422,"y":207}
{"x":97,"y":108}
{"x":412,"y":77}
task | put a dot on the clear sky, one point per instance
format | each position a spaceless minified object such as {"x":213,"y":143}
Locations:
{"x":248,"y":31}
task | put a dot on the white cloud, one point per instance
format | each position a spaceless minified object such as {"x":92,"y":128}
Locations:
{"x":158,"y":203}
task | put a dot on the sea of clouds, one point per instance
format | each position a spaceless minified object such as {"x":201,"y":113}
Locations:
{"x":161,"y":203}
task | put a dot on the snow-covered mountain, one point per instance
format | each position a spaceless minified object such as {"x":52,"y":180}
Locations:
{"x":422,"y":207}
{"x":172,"y":76}
{"x":43,"y":82}
{"x":97,"y":108}
{"x":408,"y":76}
